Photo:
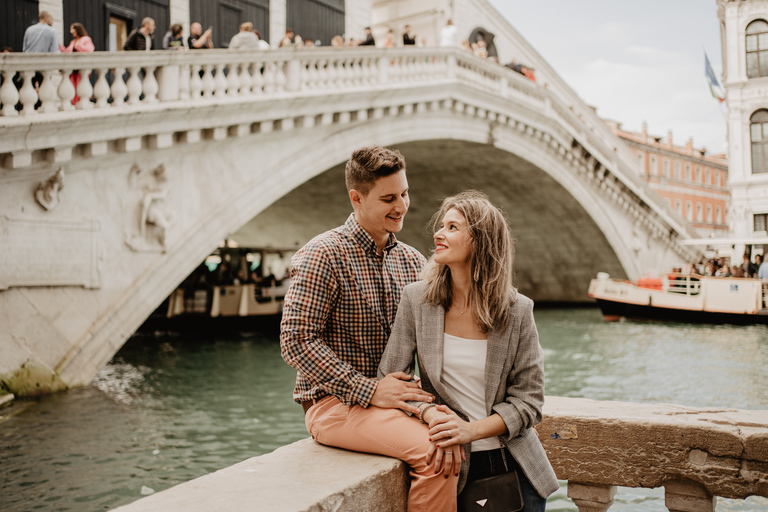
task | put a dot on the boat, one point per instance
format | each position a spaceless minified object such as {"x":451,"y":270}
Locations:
{"x":679,"y":297}
{"x":233,"y":286}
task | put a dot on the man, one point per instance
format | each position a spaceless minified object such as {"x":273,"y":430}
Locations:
{"x":198,"y":39}
{"x":41,"y":37}
{"x":369,"y":41}
{"x":263,"y":45}
{"x":449,"y":35}
{"x":141,"y":39}
{"x":245,"y":39}
{"x":749,"y":268}
{"x":408,"y":39}
{"x":337,"y":317}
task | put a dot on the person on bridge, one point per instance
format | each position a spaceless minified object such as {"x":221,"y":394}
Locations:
{"x":41,"y":37}
{"x":337,"y":316}
{"x":198,"y":39}
{"x":478,"y":350}
{"x":140,"y":39}
{"x":245,"y":39}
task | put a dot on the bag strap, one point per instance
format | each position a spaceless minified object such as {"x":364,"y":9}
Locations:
{"x":503,"y":457}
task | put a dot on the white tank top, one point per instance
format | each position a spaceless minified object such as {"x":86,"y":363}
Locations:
{"x":464,"y":376}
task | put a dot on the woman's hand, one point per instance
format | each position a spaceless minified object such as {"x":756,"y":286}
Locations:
{"x":448,"y":459}
{"x":446,"y":428}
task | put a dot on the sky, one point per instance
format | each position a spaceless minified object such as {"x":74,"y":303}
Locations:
{"x":634,"y":61}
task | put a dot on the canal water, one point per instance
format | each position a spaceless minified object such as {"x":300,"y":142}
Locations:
{"x":169,"y":408}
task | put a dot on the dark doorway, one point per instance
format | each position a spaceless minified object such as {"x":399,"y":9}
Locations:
{"x":225,"y":16}
{"x":15,"y":17}
{"x":316,"y":19}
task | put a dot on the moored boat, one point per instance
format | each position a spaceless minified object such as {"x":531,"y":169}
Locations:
{"x":678,"y":297}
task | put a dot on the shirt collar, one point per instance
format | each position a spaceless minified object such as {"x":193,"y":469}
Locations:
{"x":365,"y":240}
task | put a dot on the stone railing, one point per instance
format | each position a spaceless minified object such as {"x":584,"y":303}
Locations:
{"x":695,"y":454}
{"x":34,"y":90}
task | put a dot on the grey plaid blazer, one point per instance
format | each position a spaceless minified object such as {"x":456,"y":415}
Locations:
{"x":514,"y":375}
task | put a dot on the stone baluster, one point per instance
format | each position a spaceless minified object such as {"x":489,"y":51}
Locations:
{"x":321,"y":74}
{"x":383,"y":75}
{"x":47,"y":93}
{"x":305,"y":72}
{"x":269,"y":77}
{"x":331,"y":74}
{"x":371,"y":71}
{"x":66,"y":91}
{"x":184,"y":85}
{"x":101,"y":89}
{"x":9,"y":95}
{"x":28,"y":94}
{"x":134,"y":86}
{"x":245,"y":79}
{"x":233,"y":81}
{"x":150,"y":85}
{"x":345,"y":73}
{"x":280,"y":78}
{"x":208,"y":84}
{"x":195,"y":83}
{"x":688,"y":496}
{"x":220,"y":81}
{"x":119,"y":89}
{"x":591,"y":498}
{"x":84,"y":91}
{"x":257,"y":80}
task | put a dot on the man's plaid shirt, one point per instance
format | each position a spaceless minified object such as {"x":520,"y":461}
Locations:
{"x":339,"y":311}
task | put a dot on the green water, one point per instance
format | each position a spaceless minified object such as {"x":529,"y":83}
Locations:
{"x":171,"y":408}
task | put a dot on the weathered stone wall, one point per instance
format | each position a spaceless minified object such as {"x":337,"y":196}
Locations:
{"x":647,"y":445}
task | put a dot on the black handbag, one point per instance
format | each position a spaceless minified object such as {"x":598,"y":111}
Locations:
{"x":498,"y":493}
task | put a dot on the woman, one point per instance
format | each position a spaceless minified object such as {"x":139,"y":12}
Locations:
{"x":80,"y":43}
{"x":478,"y":350}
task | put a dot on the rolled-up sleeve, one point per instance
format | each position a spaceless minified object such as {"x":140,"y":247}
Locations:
{"x":522,"y":407}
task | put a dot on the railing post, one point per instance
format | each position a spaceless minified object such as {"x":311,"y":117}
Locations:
{"x":591,"y":498}
{"x":452,"y":66}
{"x":293,"y":74}
{"x":688,"y":496}
{"x":384,"y":70}
{"x":28,"y":94}
{"x":168,"y":83}
{"x":47,"y":93}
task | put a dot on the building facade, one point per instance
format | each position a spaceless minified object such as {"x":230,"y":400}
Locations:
{"x":744,"y":36}
{"x":109,"y":21}
{"x":693,"y":183}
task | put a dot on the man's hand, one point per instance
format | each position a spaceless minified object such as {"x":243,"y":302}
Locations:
{"x":394,"y":390}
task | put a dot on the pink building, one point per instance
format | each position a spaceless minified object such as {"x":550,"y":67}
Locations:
{"x":693,"y":183}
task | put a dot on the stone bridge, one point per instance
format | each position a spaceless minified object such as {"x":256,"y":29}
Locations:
{"x":107,"y":205}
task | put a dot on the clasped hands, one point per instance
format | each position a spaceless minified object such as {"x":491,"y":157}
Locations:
{"x":447,"y":431}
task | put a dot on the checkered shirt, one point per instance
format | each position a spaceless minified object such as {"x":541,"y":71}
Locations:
{"x":339,"y":311}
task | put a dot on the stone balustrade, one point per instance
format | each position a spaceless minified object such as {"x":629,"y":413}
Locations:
{"x":127,"y":82}
{"x":695,"y":454}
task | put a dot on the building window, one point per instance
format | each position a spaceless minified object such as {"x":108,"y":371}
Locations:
{"x":688,"y":172}
{"x":709,"y":213}
{"x":677,"y":170}
{"x":758,"y":134}
{"x":666,"y":167}
{"x":689,"y":210}
{"x":761,"y":221}
{"x":679,"y":207}
{"x":717,"y":179}
{"x":707,"y":176}
{"x":718,"y":215}
{"x":641,"y":159}
{"x":654,"y":168}
{"x":699,"y":213}
{"x":698,"y":174}
{"x":757,"y":49}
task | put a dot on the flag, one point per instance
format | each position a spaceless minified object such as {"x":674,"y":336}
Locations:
{"x":714,"y":85}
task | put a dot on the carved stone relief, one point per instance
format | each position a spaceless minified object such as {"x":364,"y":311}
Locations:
{"x":48,"y":191}
{"x":151,"y":219}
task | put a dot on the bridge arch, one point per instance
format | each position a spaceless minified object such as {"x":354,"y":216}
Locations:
{"x":217,"y":162}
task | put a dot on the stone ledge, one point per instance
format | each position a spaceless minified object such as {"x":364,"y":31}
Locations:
{"x":302,"y":477}
{"x":648,"y":445}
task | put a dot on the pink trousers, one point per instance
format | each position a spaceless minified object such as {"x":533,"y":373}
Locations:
{"x":386,"y":432}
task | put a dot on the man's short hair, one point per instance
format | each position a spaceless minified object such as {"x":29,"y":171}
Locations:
{"x":147,"y":20}
{"x":43,"y":16}
{"x":370,"y":163}
{"x":246,"y":26}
